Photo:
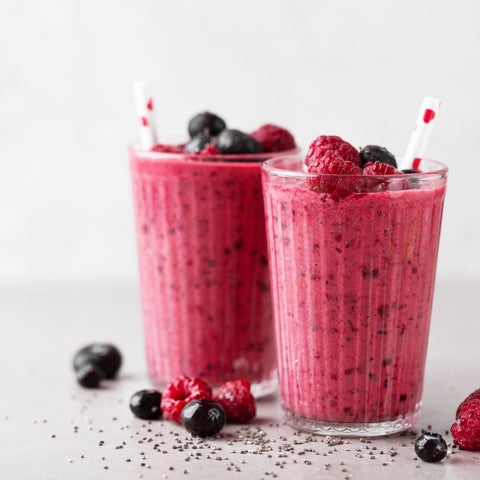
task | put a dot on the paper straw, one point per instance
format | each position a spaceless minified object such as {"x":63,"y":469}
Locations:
{"x":146,"y":123}
{"x":427,"y":116}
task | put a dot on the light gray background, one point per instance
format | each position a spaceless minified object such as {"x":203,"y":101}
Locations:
{"x":357,"y":69}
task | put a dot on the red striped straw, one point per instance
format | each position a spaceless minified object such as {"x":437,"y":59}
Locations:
{"x":427,"y":116}
{"x":146,"y":123}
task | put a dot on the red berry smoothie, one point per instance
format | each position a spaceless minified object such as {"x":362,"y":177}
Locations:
{"x":204,"y":267}
{"x":352,"y":281}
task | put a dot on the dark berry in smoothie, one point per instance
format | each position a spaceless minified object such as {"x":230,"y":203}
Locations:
{"x":232,"y":141}
{"x":203,"y":418}
{"x":207,"y":123}
{"x":374,"y":153}
{"x":198,"y":143}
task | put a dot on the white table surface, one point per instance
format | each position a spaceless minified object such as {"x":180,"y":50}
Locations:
{"x":52,"y":429}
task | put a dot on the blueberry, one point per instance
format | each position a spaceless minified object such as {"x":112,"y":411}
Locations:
{"x":374,"y":153}
{"x":430,"y":447}
{"x":104,"y":356}
{"x":89,"y":376}
{"x":197,"y":143}
{"x":203,"y":418}
{"x":146,"y":404}
{"x":410,"y":170}
{"x":206,"y":123}
{"x":232,"y":141}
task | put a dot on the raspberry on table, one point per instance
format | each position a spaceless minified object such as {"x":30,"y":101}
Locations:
{"x":237,"y":401}
{"x":466,"y":431}
{"x":181,"y":391}
{"x":473,"y":396}
{"x":274,"y":138}
{"x":331,"y":146}
{"x":379,"y":168}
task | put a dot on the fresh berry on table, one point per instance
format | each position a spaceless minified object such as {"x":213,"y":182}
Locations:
{"x":106,"y":357}
{"x":431,"y":447}
{"x":237,"y":400}
{"x":203,"y":418}
{"x":181,"y":391}
{"x":145,"y":404}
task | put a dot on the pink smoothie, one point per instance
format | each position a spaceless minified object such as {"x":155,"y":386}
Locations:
{"x":203,"y":268}
{"x":352,"y":283}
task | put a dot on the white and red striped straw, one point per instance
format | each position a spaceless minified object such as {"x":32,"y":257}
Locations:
{"x":146,"y":123}
{"x":417,"y":145}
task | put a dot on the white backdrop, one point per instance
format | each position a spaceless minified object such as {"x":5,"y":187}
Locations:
{"x":358,"y":69}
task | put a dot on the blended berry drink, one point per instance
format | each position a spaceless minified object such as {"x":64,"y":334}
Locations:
{"x":203,"y":258}
{"x":353,"y":253}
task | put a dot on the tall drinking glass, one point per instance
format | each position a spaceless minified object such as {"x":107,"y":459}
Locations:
{"x":353,"y":261}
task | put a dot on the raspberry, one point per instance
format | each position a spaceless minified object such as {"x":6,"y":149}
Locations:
{"x":237,"y":401}
{"x":327,"y":146}
{"x":466,"y":431}
{"x":274,"y":138}
{"x":379,"y":168}
{"x":163,"y":148}
{"x":210,"y":150}
{"x":473,"y":396}
{"x":334,"y":166}
{"x":181,"y":391}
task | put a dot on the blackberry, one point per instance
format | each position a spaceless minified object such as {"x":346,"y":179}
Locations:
{"x":374,"y":153}
{"x":145,"y":404}
{"x":232,"y":141}
{"x":206,"y":123}
{"x":203,"y":418}
{"x":89,"y":376}
{"x":430,"y":447}
{"x":104,"y":356}
{"x":197,"y":143}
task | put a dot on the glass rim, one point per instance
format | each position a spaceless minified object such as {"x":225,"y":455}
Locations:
{"x":213,"y":158}
{"x":440,"y":170}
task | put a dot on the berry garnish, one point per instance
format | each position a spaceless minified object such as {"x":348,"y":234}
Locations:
{"x":210,"y":149}
{"x":473,"y":396}
{"x":207,"y":123}
{"x":145,"y":404}
{"x":325,"y":147}
{"x":274,"y":138}
{"x":104,"y":356}
{"x":374,"y":153}
{"x":410,"y":170}
{"x":89,"y":376}
{"x":334,"y":166}
{"x":237,"y":401}
{"x":203,"y":418}
{"x":181,"y":391}
{"x":378,"y":168}
{"x":197,"y":143}
{"x":163,"y":148}
{"x":232,"y":141}
{"x":466,"y":431}
{"x":430,"y":447}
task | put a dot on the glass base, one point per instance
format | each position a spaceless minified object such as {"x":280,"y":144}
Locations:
{"x":374,"y":429}
{"x":265,"y":388}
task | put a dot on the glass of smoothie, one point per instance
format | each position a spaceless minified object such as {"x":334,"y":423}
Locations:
{"x":353,"y":251}
{"x":203,"y":258}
